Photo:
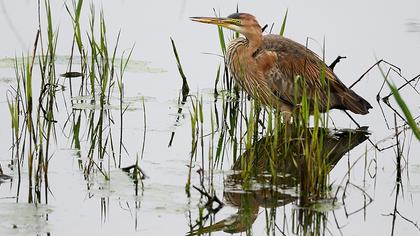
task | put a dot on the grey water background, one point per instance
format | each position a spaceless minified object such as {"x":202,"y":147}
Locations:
{"x":364,"y":31}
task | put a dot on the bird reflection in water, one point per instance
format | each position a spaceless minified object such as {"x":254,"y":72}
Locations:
{"x":262,"y":189}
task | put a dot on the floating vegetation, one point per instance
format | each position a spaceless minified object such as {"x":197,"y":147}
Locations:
{"x":6,"y":80}
{"x":134,"y":66}
{"x":24,"y":219}
{"x":4,"y":177}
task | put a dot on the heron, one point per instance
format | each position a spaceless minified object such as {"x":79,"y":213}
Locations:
{"x":268,"y":66}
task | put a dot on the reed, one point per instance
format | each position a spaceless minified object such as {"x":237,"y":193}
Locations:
{"x":100,"y":72}
{"x":406,"y":111}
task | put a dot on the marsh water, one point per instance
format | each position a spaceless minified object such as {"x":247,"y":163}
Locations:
{"x":369,"y":193}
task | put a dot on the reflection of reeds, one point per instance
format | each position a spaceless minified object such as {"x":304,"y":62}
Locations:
{"x":262,"y":189}
{"x":309,"y":222}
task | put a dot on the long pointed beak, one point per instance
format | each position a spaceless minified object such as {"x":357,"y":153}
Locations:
{"x":214,"y":20}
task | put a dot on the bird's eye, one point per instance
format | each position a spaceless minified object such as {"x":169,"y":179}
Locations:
{"x":236,"y":21}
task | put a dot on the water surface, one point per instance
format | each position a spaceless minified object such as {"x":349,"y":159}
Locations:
{"x":362,"y":31}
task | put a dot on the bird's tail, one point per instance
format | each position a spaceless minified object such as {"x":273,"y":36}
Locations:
{"x":355,"y":103}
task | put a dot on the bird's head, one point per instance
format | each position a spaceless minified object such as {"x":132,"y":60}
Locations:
{"x":243,"y":23}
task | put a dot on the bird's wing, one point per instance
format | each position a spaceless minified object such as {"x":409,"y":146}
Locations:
{"x":293,"y":60}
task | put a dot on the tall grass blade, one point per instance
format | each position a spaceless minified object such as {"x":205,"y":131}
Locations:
{"x":185,"y":87}
{"x":283,"y":25}
{"x":410,"y":120}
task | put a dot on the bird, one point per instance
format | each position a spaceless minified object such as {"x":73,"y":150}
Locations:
{"x":269,"y":68}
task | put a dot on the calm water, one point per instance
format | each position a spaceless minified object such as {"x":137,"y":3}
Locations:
{"x":362,"y":31}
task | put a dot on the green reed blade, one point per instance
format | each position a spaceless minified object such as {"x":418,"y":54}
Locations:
{"x":283,"y":24}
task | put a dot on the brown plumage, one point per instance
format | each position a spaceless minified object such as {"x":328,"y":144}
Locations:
{"x":269,"y":67}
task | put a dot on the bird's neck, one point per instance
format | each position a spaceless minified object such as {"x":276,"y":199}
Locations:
{"x":254,"y":43}
{"x":241,"y":51}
